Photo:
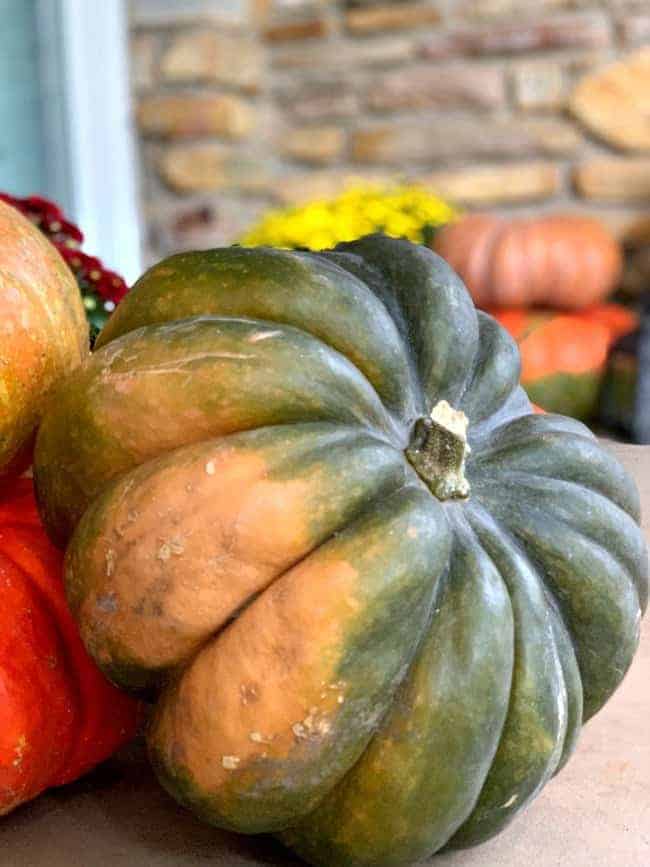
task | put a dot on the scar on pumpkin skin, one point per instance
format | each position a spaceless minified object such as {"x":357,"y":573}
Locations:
{"x":263,"y":335}
{"x":19,"y":750}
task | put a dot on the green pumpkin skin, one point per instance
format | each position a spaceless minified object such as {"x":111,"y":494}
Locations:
{"x":337,"y":656}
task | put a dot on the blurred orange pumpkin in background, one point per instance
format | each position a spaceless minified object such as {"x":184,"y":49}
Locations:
{"x":561,"y":261}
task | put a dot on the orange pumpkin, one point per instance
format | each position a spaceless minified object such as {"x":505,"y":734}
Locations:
{"x":563,"y":355}
{"x":563,"y":261}
{"x":43,"y":331}
{"x":59,"y":716}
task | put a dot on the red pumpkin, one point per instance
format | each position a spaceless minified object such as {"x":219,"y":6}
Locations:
{"x":59,"y":716}
{"x":563,"y":261}
{"x":43,"y":331}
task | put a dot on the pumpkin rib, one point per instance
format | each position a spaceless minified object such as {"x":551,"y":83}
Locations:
{"x":370,"y":817}
{"x":531,"y":743}
{"x":565,"y":496}
{"x":606,"y":635}
{"x":66,"y":691}
{"x":273,"y":495}
{"x":311,"y":293}
{"x":248,"y":393}
{"x":363,"y":614}
{"x":58,"y":694}
{"x":572,"y":682}
{"x":494,"y":375}
{"x":554,"y":455}
{"x":91,"y":734}
{"x":441,"y":319}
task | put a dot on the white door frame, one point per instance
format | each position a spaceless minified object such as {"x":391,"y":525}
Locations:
{"x":89,"y":124}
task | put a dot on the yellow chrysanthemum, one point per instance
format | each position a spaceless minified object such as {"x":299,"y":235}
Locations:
{"x":405,"y":211}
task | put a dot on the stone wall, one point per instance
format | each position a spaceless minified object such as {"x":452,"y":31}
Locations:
{"x":517,"y":105}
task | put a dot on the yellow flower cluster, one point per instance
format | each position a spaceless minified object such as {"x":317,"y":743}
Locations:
{"x":403,"y":212}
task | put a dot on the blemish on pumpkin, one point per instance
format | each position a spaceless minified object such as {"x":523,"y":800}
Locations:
{"x":315,"y":725}
{"x":210,"y":468}
{"x":248,"y":692}
{"x":19,"y":751}
{"x":107,"y":603}
{"x":259,"y":738}
{"x":164,"y":552}
{"x":263,"y":335}
{"x":173,"y":546}
{"x":230,"y":763}
{"x":110,"y":562}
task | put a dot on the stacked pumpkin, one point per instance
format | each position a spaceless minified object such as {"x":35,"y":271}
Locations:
{"x":546,"y":280}
{"x":58,"y":714}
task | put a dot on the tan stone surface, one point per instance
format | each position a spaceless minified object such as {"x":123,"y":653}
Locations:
{"x":192,"y":114}
{"x":309,"y":29}
{"x":538,"y":86}
{"x":379,"y":51}
{"x":391,"y":16}
{"x":429,"y":86}
{"x":520,"y":35}
{"x":407,"y":142}
{"x":596,"y":813}
{"x":485,"y":185}
{"x":303,"y":187}
{"x":313,"y":144}
{"x":614,"y":179}
{"x":214,"y":56}
{"x":614,"y":103}
{"x":210,"y":166}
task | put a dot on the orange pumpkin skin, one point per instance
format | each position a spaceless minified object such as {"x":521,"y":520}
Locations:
{"x":43,"y":331}
{"x":563,"y":261}
{"x":563,"y":355}
{"x":58,"y":715}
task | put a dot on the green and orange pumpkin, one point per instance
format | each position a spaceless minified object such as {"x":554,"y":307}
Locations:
{"x":308,"y":507}
{"x":43,"y":332}
{"x":564,"y":355}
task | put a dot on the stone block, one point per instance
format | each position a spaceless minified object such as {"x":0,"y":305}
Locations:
{"x":390,"y":17}
{"x":447,"y":138}
{"x":539,"y":86}
{"x":184,"y":115}
{"x":614,"y":179}
{"x":455,"y":85}
{"x":614,"y":102}
{"x":210,"y":166}
{"x":520,"y":36}
{"x":498,"y":184}
{"x":313,"y":144}
{"x":210,"y":55}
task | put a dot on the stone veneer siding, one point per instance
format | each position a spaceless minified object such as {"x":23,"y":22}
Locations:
{"x":245,"y":104}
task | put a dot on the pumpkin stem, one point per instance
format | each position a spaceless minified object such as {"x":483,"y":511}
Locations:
{"x":438,"y":450}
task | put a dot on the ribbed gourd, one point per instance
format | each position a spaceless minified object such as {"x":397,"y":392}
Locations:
{"x":310,"y":513}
